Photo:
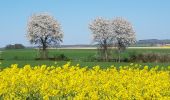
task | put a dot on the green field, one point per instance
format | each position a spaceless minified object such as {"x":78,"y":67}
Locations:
{"x":77,"y":56}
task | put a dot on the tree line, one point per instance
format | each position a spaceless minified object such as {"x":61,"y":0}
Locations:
{"x":45,"y":31}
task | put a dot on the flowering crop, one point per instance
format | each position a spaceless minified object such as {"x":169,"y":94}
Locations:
{"x":82,"y":83}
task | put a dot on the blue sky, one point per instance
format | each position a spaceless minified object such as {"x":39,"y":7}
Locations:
{"x":150,"y":18}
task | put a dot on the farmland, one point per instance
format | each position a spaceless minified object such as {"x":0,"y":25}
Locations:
{"x":74,"y":82}
{"x":81,"y":56}
{"x":25,"y":78}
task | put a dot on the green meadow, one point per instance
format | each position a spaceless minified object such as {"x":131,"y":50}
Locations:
{"x":76,"y":56}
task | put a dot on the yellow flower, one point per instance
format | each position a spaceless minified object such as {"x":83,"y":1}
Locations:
{"x":79,"y":83}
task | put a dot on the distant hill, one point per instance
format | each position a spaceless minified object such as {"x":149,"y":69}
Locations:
{"x":152,"y":42}
{"x":145,"y":42}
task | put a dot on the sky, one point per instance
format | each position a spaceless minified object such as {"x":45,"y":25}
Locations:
{"x":150,"y":18}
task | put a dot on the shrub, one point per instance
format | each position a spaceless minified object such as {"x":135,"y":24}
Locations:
{"x":149,"y":57}
{"x":62,"y":57}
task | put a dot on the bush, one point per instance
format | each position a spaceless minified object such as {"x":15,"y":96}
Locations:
{"x":55,"y":57}
{"x":62,"y":57}
{"x":149,"y":57}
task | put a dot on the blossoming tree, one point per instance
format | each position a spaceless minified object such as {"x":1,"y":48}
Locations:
{"x":102,"y":35}
{"x":44,"y":30}
{"x":124,"y":34}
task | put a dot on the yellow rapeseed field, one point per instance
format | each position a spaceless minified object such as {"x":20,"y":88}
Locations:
{"x":81,"y":83}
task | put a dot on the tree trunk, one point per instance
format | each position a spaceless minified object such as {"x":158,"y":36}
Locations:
{"x":119,"y":56}
{"x":105,"y":51}
{"x":43,"y":51}
{"x":44,"y":54}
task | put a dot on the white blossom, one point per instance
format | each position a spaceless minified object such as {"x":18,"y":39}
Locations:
{"x":101,"y":32}
{"x":44,"y":29}
{"x":124,"y":32}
